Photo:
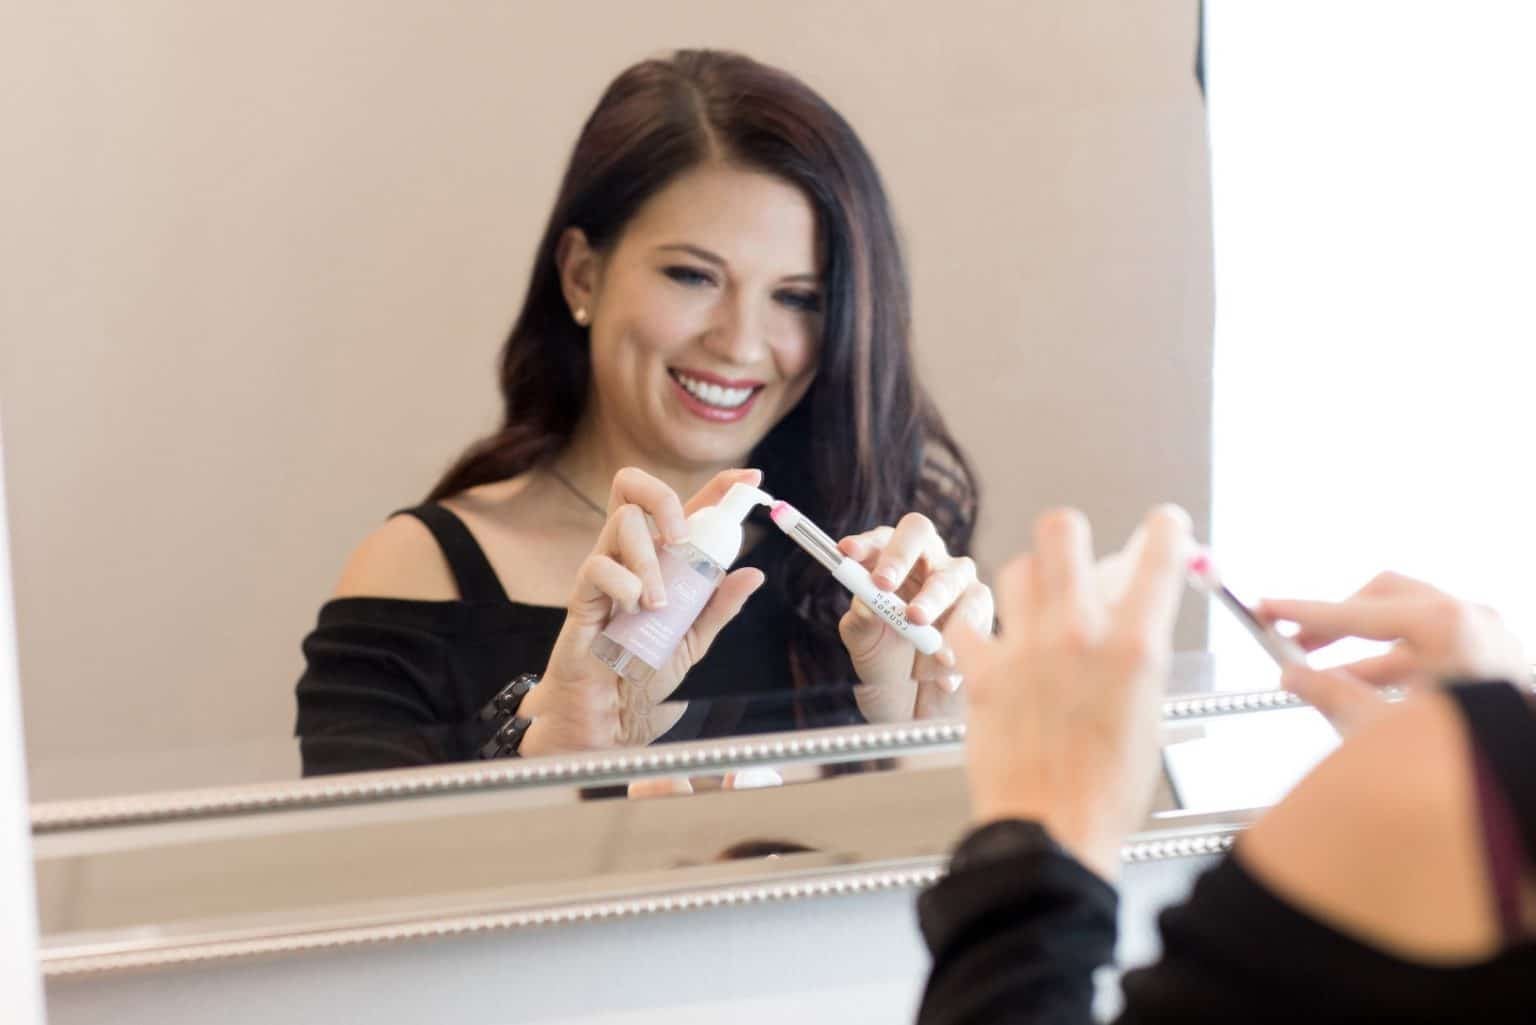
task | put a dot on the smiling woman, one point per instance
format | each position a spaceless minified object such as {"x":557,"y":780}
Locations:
{"x":719,"y":297}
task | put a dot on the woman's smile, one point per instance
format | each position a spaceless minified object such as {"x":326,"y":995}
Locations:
{"x":712,"y":397}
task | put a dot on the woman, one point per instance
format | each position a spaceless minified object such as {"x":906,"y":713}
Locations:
{"x":720,"y":287}
{"x":1394,"y":883}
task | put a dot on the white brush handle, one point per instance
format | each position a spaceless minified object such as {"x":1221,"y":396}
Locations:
{"x":887,"y":606}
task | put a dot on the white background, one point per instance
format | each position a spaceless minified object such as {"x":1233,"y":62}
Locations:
{"x":1373,"y":172}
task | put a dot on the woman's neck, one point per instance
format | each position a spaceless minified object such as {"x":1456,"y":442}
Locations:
{"x":596,"y":452}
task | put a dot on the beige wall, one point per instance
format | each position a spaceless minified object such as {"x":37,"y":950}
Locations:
{"x":260,"y":257}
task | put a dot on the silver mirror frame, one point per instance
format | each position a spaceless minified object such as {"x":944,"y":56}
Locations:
{"x":1193,"y":836}
{"x":829,"y":746}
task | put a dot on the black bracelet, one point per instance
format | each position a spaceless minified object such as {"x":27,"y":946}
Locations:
{"x":508,"y":739}
{"x":509,"y":699}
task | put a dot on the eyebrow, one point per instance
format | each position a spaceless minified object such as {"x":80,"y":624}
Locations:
{"x":718,"y":261}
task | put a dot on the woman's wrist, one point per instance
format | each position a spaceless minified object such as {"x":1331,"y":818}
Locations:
{"x":536,"y":740}
{"x":1097,"y":847}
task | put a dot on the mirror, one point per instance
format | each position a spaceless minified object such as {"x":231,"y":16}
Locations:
{"x":315,"y":879}
{"x":278,"y":317}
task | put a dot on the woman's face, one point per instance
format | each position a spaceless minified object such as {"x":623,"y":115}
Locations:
{"x":706,"y":315}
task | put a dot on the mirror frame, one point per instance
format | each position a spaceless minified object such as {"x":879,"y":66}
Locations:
{"x":839,"y":744}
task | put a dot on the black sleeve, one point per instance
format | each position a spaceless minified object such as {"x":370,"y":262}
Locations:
{"x":374,"y":695}
{"x":1016,"y":940}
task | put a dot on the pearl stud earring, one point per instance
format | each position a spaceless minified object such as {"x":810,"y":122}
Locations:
{"x":581,"y":316}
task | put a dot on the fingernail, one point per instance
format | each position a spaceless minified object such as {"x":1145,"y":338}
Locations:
{"x":885,"y":577}
{"x":923,"y":608}
{"x":656,"y":599}
{"x":947,"y":658}
{"x":951,"y":681}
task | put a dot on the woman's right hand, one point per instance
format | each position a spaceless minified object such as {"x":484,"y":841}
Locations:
{"x":1434,"y":637}
{"x":1063,"y":720}
{"x":580,"y":704}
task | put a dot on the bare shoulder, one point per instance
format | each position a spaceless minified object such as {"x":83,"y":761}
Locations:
{"x":401,"y":559}
{"x":1391,"y":812}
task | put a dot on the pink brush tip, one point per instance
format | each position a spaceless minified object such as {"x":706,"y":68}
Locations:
{"x":777,"y":509}
{"x":1201,"y":564}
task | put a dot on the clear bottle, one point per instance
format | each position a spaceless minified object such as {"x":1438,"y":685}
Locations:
{"x":636,"y":644}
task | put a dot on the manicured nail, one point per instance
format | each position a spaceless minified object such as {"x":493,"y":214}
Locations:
{"x":885,"y":577}
{"x":951,"y":681}
{"x":656,"y":599}
{"x":947,"y":658}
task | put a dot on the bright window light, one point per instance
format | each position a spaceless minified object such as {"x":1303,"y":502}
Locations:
{"x":1374,"y":189}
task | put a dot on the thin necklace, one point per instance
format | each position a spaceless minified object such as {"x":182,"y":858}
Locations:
{"x":573,"y":489}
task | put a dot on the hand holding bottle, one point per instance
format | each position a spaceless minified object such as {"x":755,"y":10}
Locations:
{"x":581,"y":703}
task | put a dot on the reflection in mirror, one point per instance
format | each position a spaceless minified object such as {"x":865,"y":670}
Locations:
{"x":718,"y":286}
{"x":905,"y":273}
{"x":102,"y":898}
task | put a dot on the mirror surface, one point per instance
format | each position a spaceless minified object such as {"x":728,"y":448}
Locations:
{"x":270,"y":256}
{"x":287,"y":875}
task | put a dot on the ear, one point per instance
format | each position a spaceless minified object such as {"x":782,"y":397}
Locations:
{"x":580,"y":267}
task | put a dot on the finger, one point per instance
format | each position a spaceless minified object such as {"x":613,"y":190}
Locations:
{"x":1390,"y":583}
{"x":714,"y":491}
{"x":861,"y":631}
{"x":659,"y":787}
{"x":1269,"y":612}
{"x":915,"y":537}
{"x":866,"y":547}
{"x":633,"y":486}
{"x":601,"y":576}
{"x":941,"y":590}
{"x":724,"y":604}
{"x":1396,"y":666}
{"x":1016,"y":595}
{"x":980,"y":662}
{"x":1343,"y":700}
{"x":1151,"y":599}
{"x":636,"y":550}
{"x":972,"y":614}
{"x":1063,"y":561}
{"x":1323,"y":622}
{"x":1308,"y":641}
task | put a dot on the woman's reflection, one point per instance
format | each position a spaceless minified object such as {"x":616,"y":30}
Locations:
{"x":720,"y":285}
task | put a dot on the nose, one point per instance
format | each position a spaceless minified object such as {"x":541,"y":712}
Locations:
{"x":739,"y":333}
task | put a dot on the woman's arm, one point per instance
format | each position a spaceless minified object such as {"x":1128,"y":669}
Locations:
{"x":1381,"y":841}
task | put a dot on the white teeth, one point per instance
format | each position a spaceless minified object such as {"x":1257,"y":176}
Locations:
{"x":713,"y":394}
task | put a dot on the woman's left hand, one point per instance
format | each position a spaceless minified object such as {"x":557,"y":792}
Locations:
{"x":941,"y":590}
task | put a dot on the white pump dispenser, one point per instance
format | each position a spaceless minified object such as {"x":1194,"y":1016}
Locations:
{"x":636,"y":644}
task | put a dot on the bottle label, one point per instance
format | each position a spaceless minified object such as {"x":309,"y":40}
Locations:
{"x":653,"y":635}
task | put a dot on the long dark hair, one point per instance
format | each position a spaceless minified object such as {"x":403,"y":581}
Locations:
{"x":865,"y":445}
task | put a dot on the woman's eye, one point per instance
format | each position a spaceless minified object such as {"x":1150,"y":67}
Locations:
{"x":804,"y":302}
{"x":688,"y":276}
